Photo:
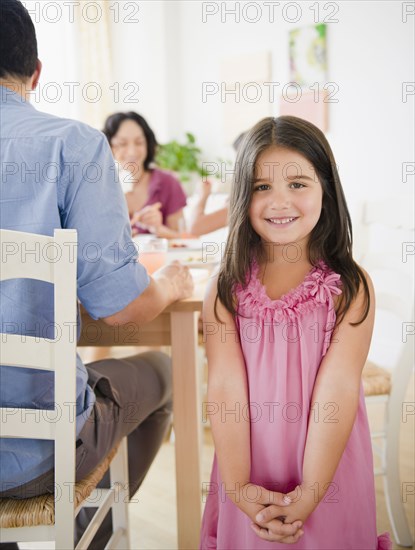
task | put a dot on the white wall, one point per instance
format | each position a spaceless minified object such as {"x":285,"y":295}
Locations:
{"x":57,"y":49}
{"x":370,"y":54}
{"x":169,"y":51}
{"x":140,"y":56}
{"x":139,"y":38}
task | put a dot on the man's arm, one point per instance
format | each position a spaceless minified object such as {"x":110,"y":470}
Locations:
{"x":112,"y":285}
{"x":169,"y":284}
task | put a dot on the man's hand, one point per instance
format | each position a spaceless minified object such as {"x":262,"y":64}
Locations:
{"x":178,"y":276}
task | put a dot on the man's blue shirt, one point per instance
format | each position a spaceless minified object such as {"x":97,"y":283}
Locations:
{"x":58,"y":173}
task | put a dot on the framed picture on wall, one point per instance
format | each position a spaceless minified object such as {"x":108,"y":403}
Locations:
{"x":306,"y":97}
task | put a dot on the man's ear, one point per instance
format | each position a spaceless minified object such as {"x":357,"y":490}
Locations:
{"x":36,"y":75}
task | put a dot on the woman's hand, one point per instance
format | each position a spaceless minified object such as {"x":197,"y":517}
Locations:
{"x":254,"y":500}
{"x":149,"y":217}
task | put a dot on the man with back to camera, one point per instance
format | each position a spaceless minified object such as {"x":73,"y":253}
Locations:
{"x":116,"y":288}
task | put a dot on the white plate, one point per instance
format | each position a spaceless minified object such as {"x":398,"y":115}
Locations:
{"x":194,"y":252}
{"x":193,"y":259}
{"x":185,"y":244}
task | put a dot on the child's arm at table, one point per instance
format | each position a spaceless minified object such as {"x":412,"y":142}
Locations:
{"x":338,"y":381}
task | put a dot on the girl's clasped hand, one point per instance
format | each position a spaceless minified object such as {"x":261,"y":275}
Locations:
{"x":269,"y":512}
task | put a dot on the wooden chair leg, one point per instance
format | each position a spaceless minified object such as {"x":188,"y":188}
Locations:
{"x":119,"y":474}
{"x":392,"y":482}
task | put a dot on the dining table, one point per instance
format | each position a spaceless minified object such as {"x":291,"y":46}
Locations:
{"x":177,"y":327}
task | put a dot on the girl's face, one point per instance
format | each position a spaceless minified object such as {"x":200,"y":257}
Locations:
{"x":286,"y":199}
{"x":129,"y":146}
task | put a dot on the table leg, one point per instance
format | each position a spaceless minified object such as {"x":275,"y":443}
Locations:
{"x":186,"y":420}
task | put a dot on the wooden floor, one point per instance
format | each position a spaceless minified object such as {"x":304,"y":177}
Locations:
{"x":152,"y":517}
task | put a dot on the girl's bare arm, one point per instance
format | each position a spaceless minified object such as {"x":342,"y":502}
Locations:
{"x":336,"y":391}
{"x":227,"y":405}
{"x":227,"y":391}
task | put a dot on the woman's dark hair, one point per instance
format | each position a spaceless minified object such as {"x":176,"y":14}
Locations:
{"x":331,"y":238}
{"x":18,"y":45}
{"x":113,"y":123}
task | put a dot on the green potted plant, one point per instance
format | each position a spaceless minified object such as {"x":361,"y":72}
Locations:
{"x":184,"y":160}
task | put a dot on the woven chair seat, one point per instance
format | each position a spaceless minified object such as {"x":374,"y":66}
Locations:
{"x":40,"y":510}
{"x":376,"y":380}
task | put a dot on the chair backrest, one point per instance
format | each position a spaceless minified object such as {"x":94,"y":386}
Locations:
{"x":54,"y":263}
{"x":386,"y":239}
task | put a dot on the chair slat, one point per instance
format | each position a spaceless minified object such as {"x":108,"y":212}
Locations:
{"x":43,"y":533}
{"x":28,"y":423}
{"x":28,"y":256}
{"x":27,"y":352}
{"x":22,"y":256}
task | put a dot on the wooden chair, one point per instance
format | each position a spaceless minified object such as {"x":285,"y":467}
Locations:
{"x":383,"y":385}
{"x":51,"y":517}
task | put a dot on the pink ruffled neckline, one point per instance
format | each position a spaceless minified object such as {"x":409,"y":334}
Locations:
{"x":317,"y":288}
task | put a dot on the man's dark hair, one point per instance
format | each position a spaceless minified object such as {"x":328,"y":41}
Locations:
{"x":18,"y":44}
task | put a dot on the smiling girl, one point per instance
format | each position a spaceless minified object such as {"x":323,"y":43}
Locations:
{"x":288,"y":323}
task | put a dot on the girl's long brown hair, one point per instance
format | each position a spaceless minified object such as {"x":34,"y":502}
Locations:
{"x":330,"y":240}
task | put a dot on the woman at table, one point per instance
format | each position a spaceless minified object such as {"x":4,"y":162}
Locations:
{"x":155,"y":199}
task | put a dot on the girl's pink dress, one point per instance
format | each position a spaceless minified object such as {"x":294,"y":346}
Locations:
{"x":283,"y":342}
